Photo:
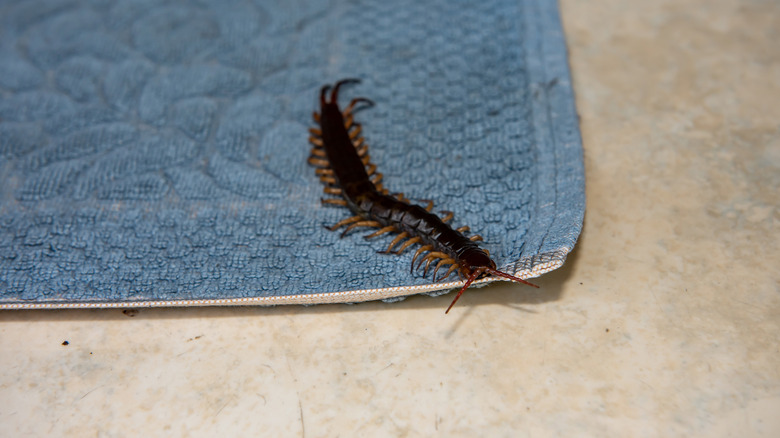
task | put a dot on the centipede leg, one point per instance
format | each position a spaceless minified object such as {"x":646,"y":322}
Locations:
{"x":321,"y":171}
{"x":425,"y":258}
{"x":381,"y":231}
{"x":318,"y":153}
{"x":377,"y":178}
{"x":463,"y":229}
{"x":399,"y":196}
{"x":333,"y":191}
{"x":316,"y":116}
{"x":316,"y":132}
{"x":430,"y":257}
{"x":476,"y":238}
{"x":328,"y":180}
{"x":347,"y":221}
{"x":408,"y":243}
{"x":331,"y":201}
{"x":420,"y":250}
{"x":348,"y":121}
{"x":316,"y":141}
{"x":360,"y":224}
{"x":371,"y":168}
{"x":395,"y":241}
{"x":428,"y":264}
{"x":354,"y":134}
{"x":447,"y":216}
{"x":441,"y":263}
{"x":318,"y":162}
{"x":449,"y":271}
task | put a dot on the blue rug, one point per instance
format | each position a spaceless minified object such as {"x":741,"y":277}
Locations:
{"x":154,"y":152}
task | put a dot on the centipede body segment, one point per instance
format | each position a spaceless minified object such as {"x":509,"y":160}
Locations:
{"x":344,"y":166}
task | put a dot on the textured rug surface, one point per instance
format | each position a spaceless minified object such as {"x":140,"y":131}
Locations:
{"x":155,"y":151}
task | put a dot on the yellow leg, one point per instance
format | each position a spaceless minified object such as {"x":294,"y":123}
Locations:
{"x":441,"y":263}
{"x":430,"y":258}
{"x":339,"y":202}
{"x":361,"y":224}
{"x":354,"y":134}
{"x":420,"y":250}
{"x":408,"y":243}
{"x":381,"y":231}
{"x":449,"y":271}
{"x":318,"y":162}
{"x":395,"y":241}
{"x":399,"y":196}
{"x":332,"y":191}
{"x":347,"y":221}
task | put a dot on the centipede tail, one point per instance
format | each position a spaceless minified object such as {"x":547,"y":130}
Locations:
{"x":343,"y":164}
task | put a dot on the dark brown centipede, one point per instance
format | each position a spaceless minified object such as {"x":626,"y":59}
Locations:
{"x":343,"y":164}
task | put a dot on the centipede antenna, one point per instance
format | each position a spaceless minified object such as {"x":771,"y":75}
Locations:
{"x":323,"y":97}
{"x":509,"y":277}
{"x":365,"y":100}
{"x":351,"y":107}
{"x":477,"y":272}
{"x":334,"y":96}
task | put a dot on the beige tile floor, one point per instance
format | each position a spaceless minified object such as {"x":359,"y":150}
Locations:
{"x":664,"y":322}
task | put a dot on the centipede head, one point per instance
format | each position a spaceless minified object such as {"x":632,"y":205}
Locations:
{"x":475,"y":264}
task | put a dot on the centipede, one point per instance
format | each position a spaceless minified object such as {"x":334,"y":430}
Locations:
{"x":342,"y":163}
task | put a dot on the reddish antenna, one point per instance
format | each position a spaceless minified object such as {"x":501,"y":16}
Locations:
{"x":479,"y":271}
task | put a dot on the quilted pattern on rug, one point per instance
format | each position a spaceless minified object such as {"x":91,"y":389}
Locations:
{"x":156,"y":150}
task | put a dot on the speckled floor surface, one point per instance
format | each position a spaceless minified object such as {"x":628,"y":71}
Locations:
{"x":665,"y":321}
